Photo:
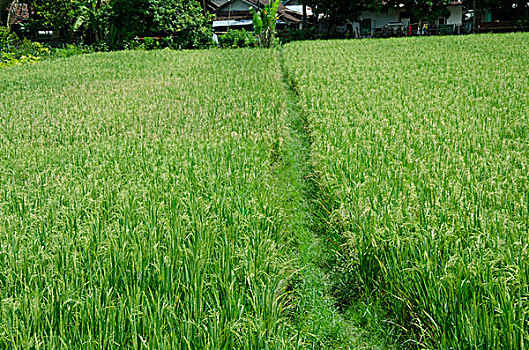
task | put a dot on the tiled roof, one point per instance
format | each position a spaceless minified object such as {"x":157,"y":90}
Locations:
{"x":220,"y":3}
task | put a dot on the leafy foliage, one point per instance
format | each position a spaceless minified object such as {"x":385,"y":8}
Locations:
{"x":91,"y":16}
{"x":14,"y":51}
{"x":8,"y":39}
{"x":337,"y":11}
{"x":426,"y":10}
{"x":182,"y":20}
{"x":58,"y":15}
{"x":4,"y":4}
{"x":502,"y":9}
{"x":113,"y":24}
{"x":298,"y":34}
{"x":237,"y":39}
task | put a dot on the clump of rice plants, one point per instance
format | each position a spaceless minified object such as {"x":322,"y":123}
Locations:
{"x":136,"y":204}
{"x":422,"y":150}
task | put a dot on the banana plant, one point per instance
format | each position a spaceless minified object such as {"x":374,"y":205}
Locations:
{"x":90,"y":12}
{"x":264,"y":23}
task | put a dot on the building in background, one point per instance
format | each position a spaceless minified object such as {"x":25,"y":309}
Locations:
{"x":235,"y":14}
{"x":399,"y":20}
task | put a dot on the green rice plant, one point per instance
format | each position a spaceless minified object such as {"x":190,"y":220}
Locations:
{"x":140,"y":204}
{"x":136,"y":202}
{"x":422,"y":151}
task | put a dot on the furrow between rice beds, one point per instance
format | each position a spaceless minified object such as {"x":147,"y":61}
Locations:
{"x":316,"y":317}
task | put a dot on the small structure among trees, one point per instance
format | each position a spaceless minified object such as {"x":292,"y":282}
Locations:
{"x":378,"y":17}
{"x":237,"y":14}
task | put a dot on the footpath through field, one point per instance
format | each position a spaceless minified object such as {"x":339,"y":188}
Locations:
{"x":316,"y":315}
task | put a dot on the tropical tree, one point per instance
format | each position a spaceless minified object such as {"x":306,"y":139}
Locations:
{"x":424,"y":10}
{"x":305,"y":21}
{"x":90,"y":19}
{"x":58,"y":15}
{"x":337,"y":12}
{"x":503,"y":9}
{"x":181,"y":20}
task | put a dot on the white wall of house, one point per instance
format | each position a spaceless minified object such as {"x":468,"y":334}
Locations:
{"x":456,"y":15}
{"x":380,"y":19}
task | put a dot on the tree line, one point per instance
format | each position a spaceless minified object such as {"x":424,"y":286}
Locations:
{"x":116,"y":23}
{"x":187,"y":24}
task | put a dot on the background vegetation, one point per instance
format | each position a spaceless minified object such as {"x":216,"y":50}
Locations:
{"x":113,"y":24}
{"x":15,"y":51}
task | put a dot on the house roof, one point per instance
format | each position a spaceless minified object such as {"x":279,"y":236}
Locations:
{"x":222,"y":3}
{"x":218,"y":3}
{"x":298,"y":9}
{"x":18,"y":13}
{"x":284,"y":15}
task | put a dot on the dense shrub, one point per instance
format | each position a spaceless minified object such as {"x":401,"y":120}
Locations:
{"x":236,"y":39}
{"x":71,"y":50}
{"x":56,"y":15}
{"x":151,"y":43}
{"x":14,"y":50}
{"x":287,"y":36}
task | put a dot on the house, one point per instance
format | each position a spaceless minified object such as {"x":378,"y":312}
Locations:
{"x":235,"y":14}
{"x":456,"y":14}
{"x":296,"y":7}
{"x":370,"y":22}
{"x":501,"y":19}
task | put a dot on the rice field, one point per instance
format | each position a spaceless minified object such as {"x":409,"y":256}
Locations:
{"x":189,"y":200}
{"x":136,"y":202}
{"x":422,"y":151}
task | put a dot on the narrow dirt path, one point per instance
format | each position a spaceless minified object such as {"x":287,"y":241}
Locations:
{"x":316,"y":317}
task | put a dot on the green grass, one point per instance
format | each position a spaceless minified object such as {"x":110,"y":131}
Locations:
{"x":423,"y":149}
{"x":330,"y":194}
